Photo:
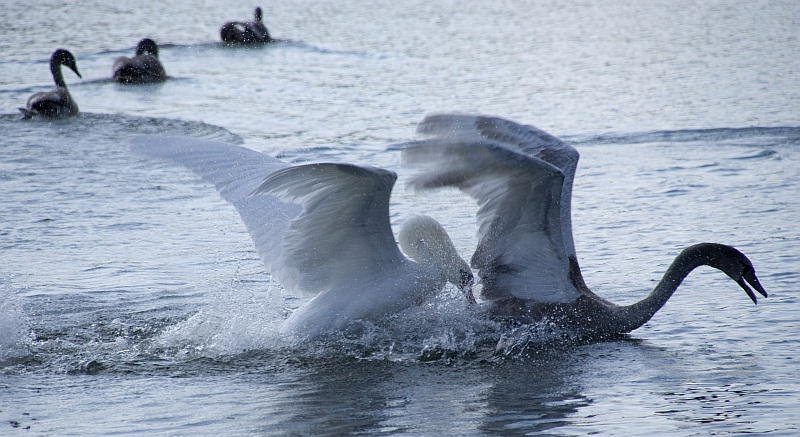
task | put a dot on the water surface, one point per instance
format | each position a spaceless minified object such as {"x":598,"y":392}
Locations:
{"x":132,"y":300}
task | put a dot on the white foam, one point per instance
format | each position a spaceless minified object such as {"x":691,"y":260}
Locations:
{"x":238,"y":319}
{"x":14,"y":341}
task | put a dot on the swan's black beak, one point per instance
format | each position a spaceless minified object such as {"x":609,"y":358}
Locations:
{"x":749,"y":277}
{"x":465,"y":285}
{"x":468,"y":292}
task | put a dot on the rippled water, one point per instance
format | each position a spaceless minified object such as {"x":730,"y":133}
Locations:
{"x":132,"y":300}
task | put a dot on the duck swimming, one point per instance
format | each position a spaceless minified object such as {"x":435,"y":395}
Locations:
{"x":521,"y":178}
{"x":246,"y":32}
{"x":323,"y":231}
{"x":57,"y":103}
{"x":145,"y":67}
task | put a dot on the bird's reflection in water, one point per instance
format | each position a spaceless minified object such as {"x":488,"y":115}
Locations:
{"x":534,"y":394}
{"x":339,"y":396}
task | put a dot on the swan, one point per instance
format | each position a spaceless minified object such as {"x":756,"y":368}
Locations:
{"x":323,"y":231}
{"x":142,"y":68}
{"x":57,"y":103}
{"x":521,"y":178}
{"x":246,"y":33}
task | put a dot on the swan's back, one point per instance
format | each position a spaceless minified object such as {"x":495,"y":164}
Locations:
{"x":145,"y":67}
{"x":51,"y":104}
{"x":246,"y":32}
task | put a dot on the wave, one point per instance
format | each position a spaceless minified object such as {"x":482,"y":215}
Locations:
{"x":735,"y":136}
{"x":91,"y":125}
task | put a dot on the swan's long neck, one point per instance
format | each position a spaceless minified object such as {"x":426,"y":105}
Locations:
{"x":425,"y":241}
{"x":58,"y":77}
{"x":635,"y":315}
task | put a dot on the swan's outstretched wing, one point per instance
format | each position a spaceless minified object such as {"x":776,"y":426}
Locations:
{"x":236,"y":172}
{"x":525,"y":244}
{"x":343,"y":237}
{"x":522,"y":138}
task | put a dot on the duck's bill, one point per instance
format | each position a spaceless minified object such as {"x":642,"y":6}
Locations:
{"x":749,"y":277}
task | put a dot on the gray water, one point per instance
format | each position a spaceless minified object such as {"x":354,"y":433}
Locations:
{"x":133,"y":302}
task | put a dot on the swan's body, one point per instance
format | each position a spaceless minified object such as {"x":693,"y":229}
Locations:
{"x":57,"y":103}
{"x":323,"y":230}
{"x":246,"y":32}
{"x":142,"y":68}
{"x":522,"y":180}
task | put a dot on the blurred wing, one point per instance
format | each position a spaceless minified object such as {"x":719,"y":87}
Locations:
{"x":524,"y":139}
{"x":343,"y":237}
{"x":235,"y":172}
{"x":522,"y":249}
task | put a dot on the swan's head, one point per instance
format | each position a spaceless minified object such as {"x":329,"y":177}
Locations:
{"x":64,"y":57}
{"x":424,"y":240}
{"x":259,"y":15}
{"x":734,"y":264}
{"x":147,"y":45}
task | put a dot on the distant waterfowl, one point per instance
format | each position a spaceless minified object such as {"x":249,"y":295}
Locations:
{"x":323,"y":230}
{"x":246,"y":32}
{"x":521,"y":178}
{"x":145,"y":67}
{"x":57,"y":103}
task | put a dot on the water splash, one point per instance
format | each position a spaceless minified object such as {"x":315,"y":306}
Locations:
{"x":237,"y":320}
{"x":14,"y":341}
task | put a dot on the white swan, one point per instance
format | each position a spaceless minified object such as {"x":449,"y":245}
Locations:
{"x":337,"y":245}
{"x":522,"y":178}
{"x":57,"y":103}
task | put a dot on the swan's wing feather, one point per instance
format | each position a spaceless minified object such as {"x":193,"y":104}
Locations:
{"x":56,"y":96}
{"x":235,"y":171}
{"x":120,"y":62}
{"x":47,"y":104}
{"x":524,"y":139}
{"x":55,"y":103}
{"x":49,"y":99}
{"x":343,"y":236}
{"x":152,"y":65}
{"x":521,"y":250}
